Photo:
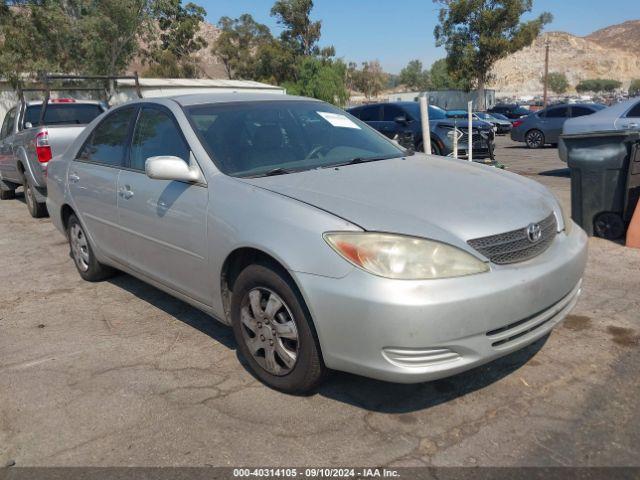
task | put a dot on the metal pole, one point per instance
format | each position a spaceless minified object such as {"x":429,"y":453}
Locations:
{"x":546,"y":72}
{"x":424,"y":119}
{"x":455,"y":139}
{"x":470,"y":131}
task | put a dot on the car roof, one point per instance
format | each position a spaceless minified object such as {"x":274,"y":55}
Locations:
{"x":229,"y":97}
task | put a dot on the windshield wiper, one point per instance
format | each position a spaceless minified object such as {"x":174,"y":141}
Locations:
{"x":356,"y":160}
{"x":277,"y":171}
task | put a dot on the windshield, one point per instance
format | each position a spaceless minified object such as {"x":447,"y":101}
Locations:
{"x":273,"y":137}
{"x":63,"y":114}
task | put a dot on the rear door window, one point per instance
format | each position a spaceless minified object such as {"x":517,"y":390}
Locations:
{"x":370,"y":114}
{"x":580,"y":111}
{"x":558,"y":112}
{"x":63,"y":114}
{"x":107,"y":144}
{"x":156,"y":134}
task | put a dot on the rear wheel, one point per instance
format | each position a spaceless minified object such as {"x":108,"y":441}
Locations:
{"x":7,"y":194}
{"x":36,"y":209}
{"x":274,"y":331}
{"x":534,"y":139}
{"x":88,"y":267}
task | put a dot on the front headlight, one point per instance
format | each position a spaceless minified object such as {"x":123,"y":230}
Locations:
{"x":402,"y":257}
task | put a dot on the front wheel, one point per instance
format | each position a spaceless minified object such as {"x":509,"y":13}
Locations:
{"x":88,"y":266}
{"x":274,"y":332}
{"x":534,"y":139}
{"x":434,"y":148}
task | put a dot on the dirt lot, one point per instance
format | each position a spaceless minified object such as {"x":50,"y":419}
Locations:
{"x":118,"y":373}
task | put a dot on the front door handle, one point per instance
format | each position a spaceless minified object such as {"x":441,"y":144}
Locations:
{"x":74,"y":178}
{"x":126,"y":192}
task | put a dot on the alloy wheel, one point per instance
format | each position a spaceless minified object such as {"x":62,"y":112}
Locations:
{"x":269,"y":331}
{"x":29,"y":197}
{"x":535,"y":139}
{"x":79,"y":247}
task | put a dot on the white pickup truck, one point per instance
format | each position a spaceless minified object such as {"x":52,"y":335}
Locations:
{"x":28,"y":140}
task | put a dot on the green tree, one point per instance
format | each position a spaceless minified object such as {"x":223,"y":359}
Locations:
{"x":413,"y":76}
{"x":238,"y":45}
{"x":477,"y":33}
{"x":440,"y":78}
{"x":557,"y":82}
{"x":598,"y":85}
{"x":172,"y":55}
{"x":371,"y":79}
{"x":321,"y":78}
{"x":300,"y":33}
{"x":634,"y":88}
{"x":72,"y":36}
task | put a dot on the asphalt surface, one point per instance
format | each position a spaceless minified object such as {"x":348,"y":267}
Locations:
{"x":118,"y":373}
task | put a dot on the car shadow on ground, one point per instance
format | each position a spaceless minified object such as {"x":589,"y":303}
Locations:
{"x":557,"y":172}
{"x":384,"y":397}
{"x":365,"y":393}
{"x":176,"y":308}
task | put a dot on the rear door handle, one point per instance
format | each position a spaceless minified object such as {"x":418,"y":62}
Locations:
{"x":74,"y":178}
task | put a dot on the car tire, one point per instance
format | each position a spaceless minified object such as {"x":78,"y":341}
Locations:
{"x":435,"y":150}
{"x":608,"y":225}
{"x":82,"y":254}
{"x":274,"y":330}
{"x":36,"y":209}
{"x":7,"y":194}
{"x":534,"y":138}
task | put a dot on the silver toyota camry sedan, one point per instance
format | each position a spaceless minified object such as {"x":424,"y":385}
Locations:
{"x":320,"y":242}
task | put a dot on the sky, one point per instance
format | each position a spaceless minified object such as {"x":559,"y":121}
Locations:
{"x":395,"y":32}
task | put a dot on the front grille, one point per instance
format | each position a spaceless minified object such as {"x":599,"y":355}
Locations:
{"x":515,"y":246}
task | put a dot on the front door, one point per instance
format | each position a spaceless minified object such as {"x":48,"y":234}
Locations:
{"x":93,"y":179}
{"x":164,"y":222}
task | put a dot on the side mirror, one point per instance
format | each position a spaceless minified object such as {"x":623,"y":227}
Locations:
{"x":401,"y":119}
{"x":167,"y":167}
{"x":28,"y":125}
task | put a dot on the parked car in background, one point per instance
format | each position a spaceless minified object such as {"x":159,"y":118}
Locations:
{"x":502,"y":125}
{"x":499,"y":126}
{"x":321,"y":242}
{"x":401,"y":121}
{"x":621,"y":116}
{"x":27,"y":145}
{"x":544,"y":127}
{"x":510,"y":110}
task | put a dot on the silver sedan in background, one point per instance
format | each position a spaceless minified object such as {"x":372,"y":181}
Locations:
{"x":322,"y":243}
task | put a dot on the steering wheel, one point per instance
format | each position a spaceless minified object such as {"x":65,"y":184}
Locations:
{"x":315,"y":151}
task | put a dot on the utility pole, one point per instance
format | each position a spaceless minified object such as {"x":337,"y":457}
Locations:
{"x":546,"y":72}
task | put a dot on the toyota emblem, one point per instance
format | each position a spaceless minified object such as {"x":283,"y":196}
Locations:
{"x":534,"y":232}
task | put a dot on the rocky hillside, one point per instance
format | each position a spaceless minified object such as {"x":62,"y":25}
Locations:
{"x":210,"y":65}
{"x":608,"y":53}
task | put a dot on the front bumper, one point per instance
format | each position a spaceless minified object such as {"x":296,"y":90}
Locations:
{"x":415,"y":331}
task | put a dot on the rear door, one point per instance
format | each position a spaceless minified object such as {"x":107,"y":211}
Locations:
{"x":631,"y":120}
{"x":372,"y":115}
{"x":8,"y":168}
{"x":553,"y":121}
{"x":93,"y":180}
{"x":164,"y":222}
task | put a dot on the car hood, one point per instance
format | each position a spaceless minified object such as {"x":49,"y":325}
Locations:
{"x":462,"y":123}
{"x":423,"y":195}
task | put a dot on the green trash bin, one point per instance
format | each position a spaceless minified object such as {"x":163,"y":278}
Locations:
{"x":605,"y":180}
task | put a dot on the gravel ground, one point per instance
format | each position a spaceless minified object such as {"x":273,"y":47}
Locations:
{"x":118,"y":373}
